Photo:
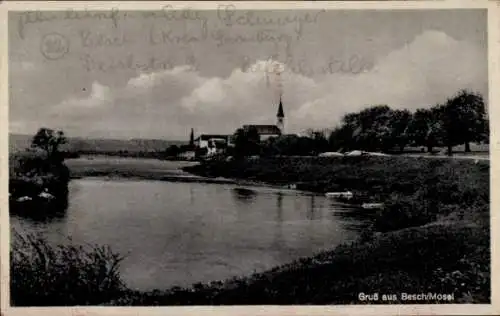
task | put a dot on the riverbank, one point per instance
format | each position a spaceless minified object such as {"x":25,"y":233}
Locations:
{"x":134,"y":168}
{"x":145,"y":169}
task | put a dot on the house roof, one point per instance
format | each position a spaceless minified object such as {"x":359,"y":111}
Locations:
{"x":264,"y":129}
{"x":211,"y":136}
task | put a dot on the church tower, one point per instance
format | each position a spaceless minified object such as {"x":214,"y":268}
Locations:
{"x":281,"y":117}
{"x":191,"y":138}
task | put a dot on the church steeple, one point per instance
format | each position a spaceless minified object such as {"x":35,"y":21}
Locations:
{"x":191,"y":138}
{"x":281,"y":117}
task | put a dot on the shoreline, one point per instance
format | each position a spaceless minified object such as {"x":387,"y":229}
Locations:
{"x":193,"y":178}
{"x":168,"y":173}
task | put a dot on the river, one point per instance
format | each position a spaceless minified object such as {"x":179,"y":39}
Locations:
{"x":176,"y":233}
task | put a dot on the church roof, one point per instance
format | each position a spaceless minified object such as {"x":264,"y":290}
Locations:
{"x":264,"y":129}
{"x":281,"y":113}
{"x":211,"y":136}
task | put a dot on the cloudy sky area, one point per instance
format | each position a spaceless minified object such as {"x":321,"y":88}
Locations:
{"x":406,"y":59}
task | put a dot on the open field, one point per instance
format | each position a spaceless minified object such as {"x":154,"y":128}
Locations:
{"x":110,"y":165}
{"x":134,"y":168}
{"x":100,"y":146}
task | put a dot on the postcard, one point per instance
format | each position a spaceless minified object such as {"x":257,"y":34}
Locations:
{"x":307,"y":158}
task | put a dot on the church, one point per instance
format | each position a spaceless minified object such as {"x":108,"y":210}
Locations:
{"x":216,"y":143}
{"x":267,"y":131}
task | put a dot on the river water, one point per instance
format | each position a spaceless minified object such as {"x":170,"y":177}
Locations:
{"x":175,"y":233}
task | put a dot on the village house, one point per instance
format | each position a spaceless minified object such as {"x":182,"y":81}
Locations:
{"x":213,"y":143}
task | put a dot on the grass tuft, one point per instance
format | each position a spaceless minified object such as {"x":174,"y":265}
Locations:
{"x":66,"y":275}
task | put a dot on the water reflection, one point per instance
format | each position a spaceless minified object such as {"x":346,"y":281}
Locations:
{"x":244,"y":195}
{"x":191,"y":196}
{"x":311,"y":210}
{"x":355,"y":213}
{"x":278,"y":241}
{"x":39,"y":210}
{"x":279,"y":207}
{"x":353,"y":217}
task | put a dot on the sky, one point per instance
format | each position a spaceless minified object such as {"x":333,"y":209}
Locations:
{"x":135,"y":75}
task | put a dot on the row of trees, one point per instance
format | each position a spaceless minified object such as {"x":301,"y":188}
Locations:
{"x":247,"y":143}
{"x":462,"y":119}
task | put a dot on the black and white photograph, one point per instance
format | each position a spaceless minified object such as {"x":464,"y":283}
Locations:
{"x":228,"y":154}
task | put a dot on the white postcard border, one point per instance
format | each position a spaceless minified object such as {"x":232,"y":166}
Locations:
{"x":449,"y":309}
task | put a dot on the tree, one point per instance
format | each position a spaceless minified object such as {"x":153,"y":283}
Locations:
{"x":346,"y":136}
{"x":246,"y":142}
{"x":398,"y":125}
{"x":291,"y":145}
{"x":425,"y":128}
{"x":49,"y":141}
{"x":373,"y":130}
{"x":466,"y":119}
{"x":320,"y":143}
{"x":486,"y":135}
{"x":173,"y":151}
{"x":341,"y":138}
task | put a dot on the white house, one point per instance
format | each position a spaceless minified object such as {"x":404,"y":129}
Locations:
{"x":213,"y":143}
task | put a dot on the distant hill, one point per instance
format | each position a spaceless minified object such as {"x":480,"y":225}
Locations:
{"x":19,"y":142}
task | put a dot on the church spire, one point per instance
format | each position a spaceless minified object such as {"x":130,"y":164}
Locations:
{"x":281,"y":117}
{"x":191,"y":138}
{"x":281,"y":113}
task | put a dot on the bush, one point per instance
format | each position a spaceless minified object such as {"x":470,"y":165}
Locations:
{"x":30,"y":172}
{"x":402,"y":212}
{"x":43,"y":275}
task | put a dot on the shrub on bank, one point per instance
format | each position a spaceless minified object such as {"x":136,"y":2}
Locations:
{"x":402,"y":212}
{"x":43,"y":275}
{"x":31,"y":171}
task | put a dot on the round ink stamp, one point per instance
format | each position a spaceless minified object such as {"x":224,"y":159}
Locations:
{"x":54,"y":46}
